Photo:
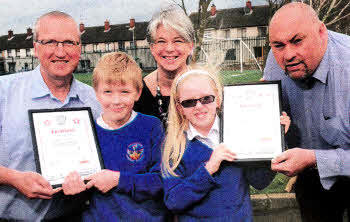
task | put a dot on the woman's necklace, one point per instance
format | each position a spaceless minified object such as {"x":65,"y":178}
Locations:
{"x":163,"y":114}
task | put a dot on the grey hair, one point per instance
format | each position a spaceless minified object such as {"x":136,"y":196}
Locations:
{"x":57,"y":14}
{"x":171,"y":16}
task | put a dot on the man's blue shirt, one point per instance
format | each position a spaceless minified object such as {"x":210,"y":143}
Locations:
{"x":18,"y":93}
{"x":321,"y":113}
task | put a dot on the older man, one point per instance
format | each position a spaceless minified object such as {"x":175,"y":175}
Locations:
{"x":314,"y":66}
{"x":25,"y":194}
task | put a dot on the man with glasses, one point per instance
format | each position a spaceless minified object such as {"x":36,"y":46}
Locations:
{"x":24,"y":194}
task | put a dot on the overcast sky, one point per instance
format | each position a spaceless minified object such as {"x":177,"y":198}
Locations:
{"x":18,"y":15}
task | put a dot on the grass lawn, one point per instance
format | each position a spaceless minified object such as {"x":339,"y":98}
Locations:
{"x":228,"y":77}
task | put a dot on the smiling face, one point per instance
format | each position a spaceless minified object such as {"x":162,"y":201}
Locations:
{"x":201,"y":116}
{"x":169,"y":49}
{"x":58,"y":61}
{"x":298,"y":40}
{"x":117,"y":101}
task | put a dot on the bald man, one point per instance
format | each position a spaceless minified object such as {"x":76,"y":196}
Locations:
{"x":313,"y":64}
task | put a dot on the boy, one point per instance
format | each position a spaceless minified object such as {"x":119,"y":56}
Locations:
{"x":130,"y":189}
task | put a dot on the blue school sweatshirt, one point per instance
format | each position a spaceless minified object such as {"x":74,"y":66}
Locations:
{"x":135,"y":151}
{"x":224,"y":196}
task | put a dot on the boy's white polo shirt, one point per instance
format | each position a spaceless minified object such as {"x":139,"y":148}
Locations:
{"x":104,"y":125}
{"x":213,"y":138}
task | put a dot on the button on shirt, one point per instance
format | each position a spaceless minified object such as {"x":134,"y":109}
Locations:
{"x":212,"y":140}
{"x":321,"y":113}
{"x":18,"y":93}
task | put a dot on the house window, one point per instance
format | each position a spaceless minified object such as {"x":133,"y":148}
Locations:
{"x":258,"y":52}
{"x":227,"y":34}
{"x":17,"y":52}
{"x":242,"y":32}
{"x":230,"y":54}
{"x":262,"y":32}
{"x":85,"y":65}
{"x":9,"y":53}
{"x":207,"y":35}
{"x":121,"y":45}
{"x":95,"y":47}
{"x":27,"y":52}
{"x":132,"y":45}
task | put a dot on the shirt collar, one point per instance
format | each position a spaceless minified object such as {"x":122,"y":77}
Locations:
{"x":322,"y":70}
{"x":40,"y":89}
{"x":192,"y":132}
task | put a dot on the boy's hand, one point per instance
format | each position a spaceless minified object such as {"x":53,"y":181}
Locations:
{"x":285,"y":120}
{"x":220,"y":153}
{"x":104,"y":180}
{"x":73,"y":184}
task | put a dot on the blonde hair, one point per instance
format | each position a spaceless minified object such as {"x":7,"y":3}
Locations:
{"x":175,"y":142}
{"x":117,"y":67}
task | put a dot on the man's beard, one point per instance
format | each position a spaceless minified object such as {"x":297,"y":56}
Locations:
{"x":308,"y":73}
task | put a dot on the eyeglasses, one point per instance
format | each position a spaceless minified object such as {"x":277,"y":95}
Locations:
{"x":53,"y":43}
{"x":193,"y":102}
{"x":162,"y":43}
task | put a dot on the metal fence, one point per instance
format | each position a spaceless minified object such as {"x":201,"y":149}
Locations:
{"x":239,"y":53}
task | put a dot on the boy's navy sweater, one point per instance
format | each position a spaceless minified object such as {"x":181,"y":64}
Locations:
{"x":197,"y":196}
{"x":134,"y":150}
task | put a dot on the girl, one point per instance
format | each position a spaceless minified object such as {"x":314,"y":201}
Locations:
{"x":197,"y":183}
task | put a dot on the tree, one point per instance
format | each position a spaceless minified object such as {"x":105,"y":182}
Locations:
{"x":200,"y":23}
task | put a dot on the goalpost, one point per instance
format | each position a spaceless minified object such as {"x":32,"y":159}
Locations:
{"x":220,"y":41}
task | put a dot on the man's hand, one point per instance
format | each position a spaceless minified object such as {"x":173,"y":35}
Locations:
{"x":73,"y":184}
{"x":293,"y":161}
{"x":104,"y":180}
{"x":220,"y":153}
{"x":33,"y":185}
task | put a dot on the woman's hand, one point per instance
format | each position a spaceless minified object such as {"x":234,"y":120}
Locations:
{"x":220,"y":153}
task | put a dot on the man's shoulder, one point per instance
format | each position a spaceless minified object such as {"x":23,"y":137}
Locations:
{"x":15,"y":79}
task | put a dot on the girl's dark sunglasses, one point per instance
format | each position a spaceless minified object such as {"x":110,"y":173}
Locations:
{"x":193,"y":102}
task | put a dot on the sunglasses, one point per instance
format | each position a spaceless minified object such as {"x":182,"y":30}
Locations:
{"x":193,"y":102}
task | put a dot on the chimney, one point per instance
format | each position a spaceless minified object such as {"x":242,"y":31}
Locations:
{"x":29,"y":32}
{"x":10,"y":34}
{"x":248,"y":4}
{"x":132,"y":23}
{"x":81,"y":28}
{"x":107,"y":27}
{"x":213,"y":10}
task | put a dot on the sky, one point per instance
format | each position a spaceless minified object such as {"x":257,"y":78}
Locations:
{"x":18,"y":15}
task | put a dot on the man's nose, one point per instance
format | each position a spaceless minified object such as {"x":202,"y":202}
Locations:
{"x":289,"y":53}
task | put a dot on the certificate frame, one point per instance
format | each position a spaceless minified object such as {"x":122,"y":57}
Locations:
{"x":245,"y":100}
{"x":64,"y":140}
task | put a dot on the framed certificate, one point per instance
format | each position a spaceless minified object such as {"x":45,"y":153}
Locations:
{"x":64,"y":140}
{"x":250,"y":123}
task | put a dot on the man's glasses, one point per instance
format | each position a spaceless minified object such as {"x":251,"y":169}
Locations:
{"x":193,"y":102}
{"x":53,"y":43}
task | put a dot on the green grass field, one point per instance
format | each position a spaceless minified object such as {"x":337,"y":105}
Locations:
{"x":229,"y":77}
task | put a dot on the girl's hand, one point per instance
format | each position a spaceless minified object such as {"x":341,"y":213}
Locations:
{"x":285,"y":120}
{"x":104,"y":180}
{"x":73,"y":184}
{"x":221,"y":152}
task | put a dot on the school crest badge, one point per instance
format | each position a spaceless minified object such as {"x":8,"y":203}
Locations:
{"x":135,"y":152}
